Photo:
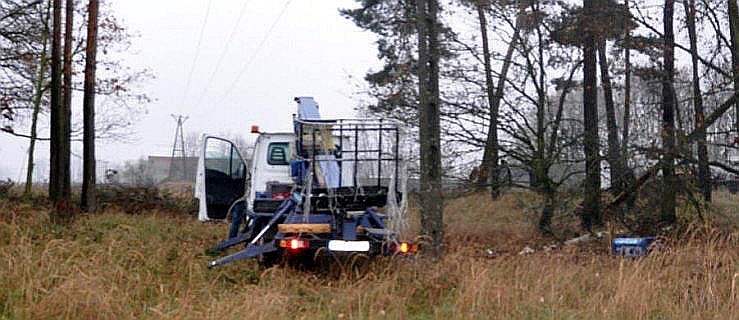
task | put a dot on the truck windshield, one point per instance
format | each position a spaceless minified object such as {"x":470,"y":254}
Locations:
{"x":277,"y":153}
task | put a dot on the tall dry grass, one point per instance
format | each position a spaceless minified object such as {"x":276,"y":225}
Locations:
{"x":153,"y":266}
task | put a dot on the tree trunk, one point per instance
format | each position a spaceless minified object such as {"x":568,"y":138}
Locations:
{"x":704,"y":173}
{"x":66,"y":120}
{"x":627,"y":96}
{"x":668,"y":118}
{"x":617,"y":171}
{"x":88,"y":106}
{"x":734,"y":27}
{"x":489,"y":173}
{"x":59,"y":178}
{"x":541,"y":162}
{"x":591,"y":206}
{"x":429,"y":133}
{"x":547,"y":212}
{"x":56,"y":101}
{"x":628,"y":174}
{"x":28,"y":191}
{"x":490,"y":154}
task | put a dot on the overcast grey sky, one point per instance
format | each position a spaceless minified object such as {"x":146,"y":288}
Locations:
{"x":311,"y":51}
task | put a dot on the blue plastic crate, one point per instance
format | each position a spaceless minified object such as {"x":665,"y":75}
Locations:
{"x":631,"y":247}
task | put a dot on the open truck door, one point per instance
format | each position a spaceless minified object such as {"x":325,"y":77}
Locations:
{"x":221,"y":178}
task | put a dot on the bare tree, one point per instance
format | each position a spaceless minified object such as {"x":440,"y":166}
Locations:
{"x":88,"y":106}
{"x":429,"y":130}
{"x":490,"y":166}
{"x":39,"y":89}
{"x":704,"y":173}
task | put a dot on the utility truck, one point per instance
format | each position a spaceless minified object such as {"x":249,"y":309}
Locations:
{"x":331,"y":186}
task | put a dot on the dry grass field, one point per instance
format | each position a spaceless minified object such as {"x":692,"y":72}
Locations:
{"x":152,"y":265}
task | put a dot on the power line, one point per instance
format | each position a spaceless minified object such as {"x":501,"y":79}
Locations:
{"x":254,"y":54}
{"x":209,"y":83}
{"x":197,"y":53}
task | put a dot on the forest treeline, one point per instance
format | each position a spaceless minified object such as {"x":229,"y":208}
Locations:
{"x":634,"y":98}
{"x":49,"y":55}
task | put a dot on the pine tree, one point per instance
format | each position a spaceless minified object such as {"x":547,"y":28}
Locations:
{"x":591,"y":205}
{"x":429,"y":125}
{"x":88,"y":106}
{"x":668,"y":117}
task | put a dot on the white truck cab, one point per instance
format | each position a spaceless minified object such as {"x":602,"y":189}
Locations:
{"x":224,"y":179}
{"x":270,"y":181}
{"x":267,"y":178}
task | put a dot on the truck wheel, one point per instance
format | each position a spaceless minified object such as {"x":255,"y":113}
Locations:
{"x":270,"y":259}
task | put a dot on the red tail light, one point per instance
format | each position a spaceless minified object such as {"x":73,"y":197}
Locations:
{"x":403,"y":248}
{"x":294,"y":243}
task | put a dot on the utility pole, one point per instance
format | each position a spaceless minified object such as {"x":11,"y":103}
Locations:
{"x":178,"y":147}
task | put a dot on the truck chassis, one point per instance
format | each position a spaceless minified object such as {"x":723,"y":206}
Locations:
{"x":324,"y":209}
